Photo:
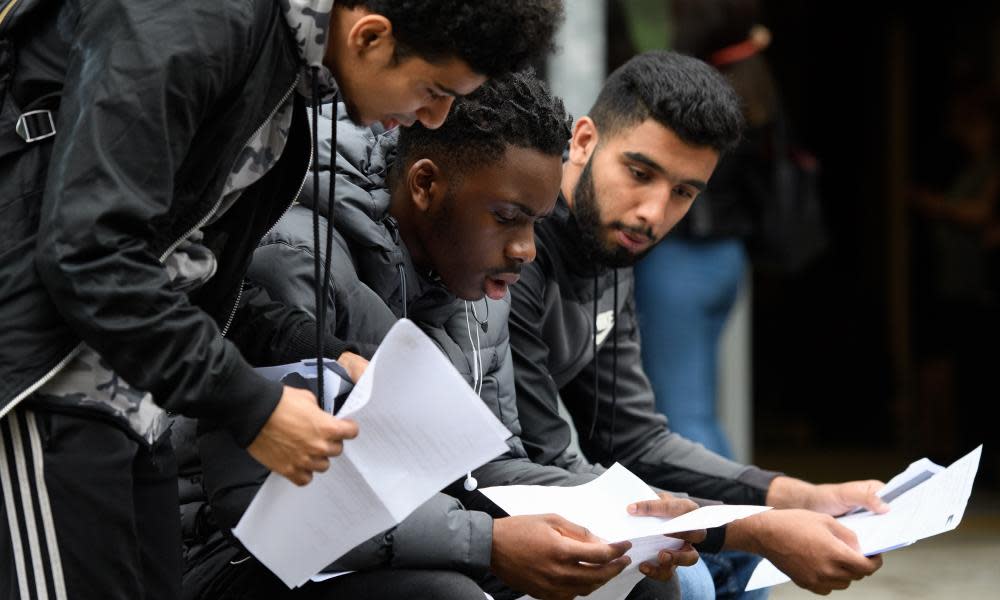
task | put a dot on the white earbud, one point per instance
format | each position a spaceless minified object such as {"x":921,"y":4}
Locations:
{"x":470,"y":482}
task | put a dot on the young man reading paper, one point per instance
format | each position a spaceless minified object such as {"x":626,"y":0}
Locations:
{"x":433,"y":229}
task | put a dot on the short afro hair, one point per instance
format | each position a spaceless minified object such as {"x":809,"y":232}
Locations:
{"x":682,"y":93}
{"x":492,"y":36}
{"x":514,"y":110}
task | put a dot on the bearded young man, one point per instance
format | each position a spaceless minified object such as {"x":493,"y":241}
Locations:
{"x":636,"y":163}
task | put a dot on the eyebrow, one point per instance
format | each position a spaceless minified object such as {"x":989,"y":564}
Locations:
{"x":639,"y":157}
{"x":527,"y":211}
{"x":448,"y":91}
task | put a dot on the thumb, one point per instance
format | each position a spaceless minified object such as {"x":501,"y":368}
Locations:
{"x":334,"y":428}
{"x":867,"y":498}
{"x":663,"y":507}
{"x":845,"y":535}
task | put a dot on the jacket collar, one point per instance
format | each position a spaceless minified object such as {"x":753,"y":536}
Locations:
{"x":309,"y":21}
{"x":361,"y":216}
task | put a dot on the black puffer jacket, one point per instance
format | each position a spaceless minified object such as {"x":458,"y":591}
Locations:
{"x":158,"y":99}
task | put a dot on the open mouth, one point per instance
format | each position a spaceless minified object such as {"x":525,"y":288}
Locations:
{"x":496,"y":286}
{"x":397,"y":121}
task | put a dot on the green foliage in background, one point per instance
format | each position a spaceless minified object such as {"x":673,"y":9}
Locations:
{"x":649,"y":23}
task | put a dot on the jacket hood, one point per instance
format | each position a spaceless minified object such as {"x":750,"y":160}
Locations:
{"x":361,"y":216}
{"x":309,"y":21}
{"x":376,"y":272}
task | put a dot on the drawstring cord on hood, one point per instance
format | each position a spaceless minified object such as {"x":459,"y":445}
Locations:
{"x":322,"y":287}
{"x":477,"y":374}
{"x":402,"y":285}
{"x":597,"y":384}
{"x":614,"y":367}
{"x":614,"y":372}
{"x":393,"y":228}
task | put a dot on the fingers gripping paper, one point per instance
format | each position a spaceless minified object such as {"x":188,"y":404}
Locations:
{"x":421,"y":427}
{"x":925,"y":499}
{"x":600,"y":506}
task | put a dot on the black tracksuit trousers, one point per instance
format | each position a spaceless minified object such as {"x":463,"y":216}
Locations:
{"x":87,"y":511}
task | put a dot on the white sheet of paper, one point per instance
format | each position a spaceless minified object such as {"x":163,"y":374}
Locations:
{"x":933,"y":505}
{"x":600,"y":506}
{"x":321,"y":577}
{"x":918,"y":472}
{"x":420,"y":428}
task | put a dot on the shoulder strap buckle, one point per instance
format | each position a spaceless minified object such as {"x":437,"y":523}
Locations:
{"x":35,"y":125}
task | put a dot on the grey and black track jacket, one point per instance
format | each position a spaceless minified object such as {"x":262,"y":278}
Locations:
{"x":560,"y":308}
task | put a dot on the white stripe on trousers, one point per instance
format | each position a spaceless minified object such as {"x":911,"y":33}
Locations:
{"x":17,"y":548}
{"x":46,"y":509}
{"x":28,"y":504}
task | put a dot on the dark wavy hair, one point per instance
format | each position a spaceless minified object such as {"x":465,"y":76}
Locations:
{"x":682,"y":93}
{"x":514,"y":110}
{"x":493,"y":36}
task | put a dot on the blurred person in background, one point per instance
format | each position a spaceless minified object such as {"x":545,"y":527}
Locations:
{"x":958,"y":233}
{"x":687,"y":286}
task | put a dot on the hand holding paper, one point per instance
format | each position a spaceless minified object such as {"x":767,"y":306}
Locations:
{"x":601,"y":506}
{"x":816,"y":551}
{"x":667,"y":561}
{"x":299,"y":438}
{"x":828,"y":498}
{"x":544,"y":555}
{"x":925,"y":500}
{"x":422,"y":428}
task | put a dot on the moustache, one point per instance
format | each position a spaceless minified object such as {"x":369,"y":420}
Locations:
{"x":513,"y":269}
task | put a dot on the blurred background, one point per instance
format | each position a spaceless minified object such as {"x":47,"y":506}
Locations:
{"x":871,"y":337}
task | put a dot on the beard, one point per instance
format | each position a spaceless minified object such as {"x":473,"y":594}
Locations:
{"x":593,"y":232}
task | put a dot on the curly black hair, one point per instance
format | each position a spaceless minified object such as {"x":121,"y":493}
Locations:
{"x":682,"y":93}
{"x":493,"y":36}
{"x":514,"y":110}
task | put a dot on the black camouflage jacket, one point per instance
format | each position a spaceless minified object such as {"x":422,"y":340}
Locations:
{"x":157,"y":100}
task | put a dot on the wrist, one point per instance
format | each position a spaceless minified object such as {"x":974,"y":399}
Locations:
{"x":789,"y":492}
{"x":744,"y":534}
{"x":496,"y":550}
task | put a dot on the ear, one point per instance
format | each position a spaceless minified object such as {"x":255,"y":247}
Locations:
{"x":371,"y":36}
{"x":583,"y":142}
{"x":425,"y":183}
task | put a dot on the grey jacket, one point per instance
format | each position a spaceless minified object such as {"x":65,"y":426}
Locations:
{"x":373,"y":283}
{"x":554,"y":325}
{"x":372,"y":270}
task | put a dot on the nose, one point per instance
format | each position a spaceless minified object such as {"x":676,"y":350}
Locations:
{"x":433,"y":114}
{"x":652,"y":211}
{"x":522,"y":248}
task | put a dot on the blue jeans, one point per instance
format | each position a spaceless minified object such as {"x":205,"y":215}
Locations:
{"x":731,"y":571}
{"x":695,"y":582}
{"x":684,"y":292}
{"x":722,"y":575}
